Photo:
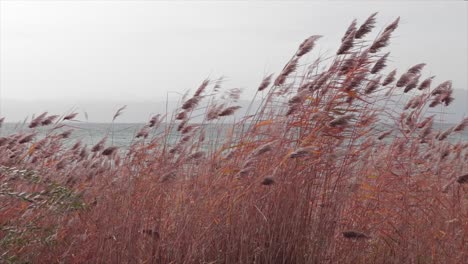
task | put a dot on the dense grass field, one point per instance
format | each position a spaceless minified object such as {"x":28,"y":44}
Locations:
{"x":333,"y":167}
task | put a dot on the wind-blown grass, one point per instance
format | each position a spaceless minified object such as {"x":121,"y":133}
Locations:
{"x":326,"y":170}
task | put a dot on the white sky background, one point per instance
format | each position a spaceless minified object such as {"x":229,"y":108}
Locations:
{"x":137,"y":51}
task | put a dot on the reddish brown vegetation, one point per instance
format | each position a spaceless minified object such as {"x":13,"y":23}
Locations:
{"x":325,"y":171}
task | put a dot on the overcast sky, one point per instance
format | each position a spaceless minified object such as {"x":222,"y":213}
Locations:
{"x":75,"y":51}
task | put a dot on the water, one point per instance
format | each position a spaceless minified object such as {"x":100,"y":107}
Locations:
{"x":122,"y":135}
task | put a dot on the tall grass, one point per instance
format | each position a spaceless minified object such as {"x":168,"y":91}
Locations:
{"x":333,"y":167}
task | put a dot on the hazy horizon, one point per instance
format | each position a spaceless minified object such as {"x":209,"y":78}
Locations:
{"x":102,"y":111}
{"x":98,"y":56}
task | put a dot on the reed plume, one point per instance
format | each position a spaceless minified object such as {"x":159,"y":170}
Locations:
{"x":288,"y":69}
{"x":118,"y":112}
{"x":341,"y":120}
{"x":37,"y":121}
{"x":372,"y":85}
{"x":351,"y":28}
{"x":390,"y":78}
{"x":70,"y":116}
{"x":265,"y":83}
{"x":307,"y":45}
{"x":100,"y":145}
{"x":463,"y":179}
{"x":347,"y":43}
{"x":380,"y":64}
{"x":462,"y":125}
{"x":366,"y":27}
{"x":229,"y":111}
{"x":26,"y":138}
{"x":426,"y":83}
{"x":109,"y":151}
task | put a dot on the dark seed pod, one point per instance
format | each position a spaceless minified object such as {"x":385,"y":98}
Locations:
{"x":268,"y":181}
{"x":354,"y":235}
{"x":463,"y":179}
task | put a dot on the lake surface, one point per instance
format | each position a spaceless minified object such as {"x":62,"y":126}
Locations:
{"x":122,"y":135}
{"x":119,"y":134}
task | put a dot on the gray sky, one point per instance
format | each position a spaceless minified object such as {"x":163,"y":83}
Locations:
{"x":83,"y":51}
